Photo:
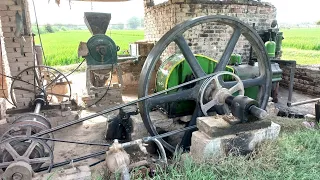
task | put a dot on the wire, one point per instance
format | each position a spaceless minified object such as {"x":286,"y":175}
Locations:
{"x":38,"y":29}
{"x":76,"y":68}
{"x":106,"y":90}
{"x":73,"y":142}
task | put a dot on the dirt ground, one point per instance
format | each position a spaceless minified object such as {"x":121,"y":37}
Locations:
{"x":94,"y":130}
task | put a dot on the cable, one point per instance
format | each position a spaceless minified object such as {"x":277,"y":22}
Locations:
{"x":72,"y":142}
{"x":106,"y":90}
{"x":38,"y":29}
{"x":76,"y":68}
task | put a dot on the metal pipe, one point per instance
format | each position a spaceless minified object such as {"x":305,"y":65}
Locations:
{"x":292,"y":73}
{"x":162,"y":151}
{"x":37,"y":108}
{"x":305,"y":102}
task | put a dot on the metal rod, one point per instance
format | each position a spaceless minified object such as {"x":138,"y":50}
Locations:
{"x":119,"y":106}
{"x":292,"y":73}
{"x":305,"y":102}
{"x":72,"y":142}
{"x":37,"y":108}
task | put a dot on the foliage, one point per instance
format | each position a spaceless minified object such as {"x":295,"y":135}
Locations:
{"x":119,"y":26}
{"x":61,"y":48}
{"x":318,"y":23}
{"x":49,"y":28}
{"x":134,"y":22}
{"x":306,"y":57}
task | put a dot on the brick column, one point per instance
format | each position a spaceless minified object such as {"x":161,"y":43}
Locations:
{"x":18,"y":59}
{"x":208,"y":39}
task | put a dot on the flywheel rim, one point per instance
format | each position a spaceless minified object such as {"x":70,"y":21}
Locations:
{"x":172,"y":35}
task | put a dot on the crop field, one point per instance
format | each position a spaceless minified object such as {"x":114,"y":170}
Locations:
{"x":61,"y":48}
{"x":302,"y":38}
{"x":302,"y":45}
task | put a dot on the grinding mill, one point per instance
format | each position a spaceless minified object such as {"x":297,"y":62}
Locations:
{"x":100,"y":53}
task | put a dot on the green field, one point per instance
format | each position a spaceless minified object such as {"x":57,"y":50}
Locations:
{"x":302,"y":45}
{"x":302,"y":38}
{"x":61,"y":48}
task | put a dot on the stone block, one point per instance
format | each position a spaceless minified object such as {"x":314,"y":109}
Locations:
{"x":204,"y":147}
{"x":214,"y":126}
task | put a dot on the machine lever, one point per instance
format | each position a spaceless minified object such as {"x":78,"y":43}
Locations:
{"x":258,"y":112}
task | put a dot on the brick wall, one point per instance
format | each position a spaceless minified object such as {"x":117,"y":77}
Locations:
{"x":208,"y":39}
{"x":3,"y":64}
{"x":17,"y":59}
{"x":306,"y":79}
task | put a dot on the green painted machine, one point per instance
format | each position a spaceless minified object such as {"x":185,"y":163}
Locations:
{"x":102,"y":50}
{"x":175,"y":70}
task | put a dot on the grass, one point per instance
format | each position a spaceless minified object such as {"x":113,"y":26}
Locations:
{"x":302,"y":38}
{"x":61,"y":48}
{"x":302,"y":45}
{"x":295,"y":155}
{"x":305,"y":57}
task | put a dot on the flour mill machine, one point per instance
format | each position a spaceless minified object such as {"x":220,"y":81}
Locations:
{"x":101,"y":56}
{"x":187,"y":84}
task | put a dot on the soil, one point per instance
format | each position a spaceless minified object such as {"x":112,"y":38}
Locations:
{"x":94,"y":129}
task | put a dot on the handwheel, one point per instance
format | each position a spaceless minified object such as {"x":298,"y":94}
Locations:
{"x":219,"y":93}
{"x":43,"y":81}
{"x":176,"y":35}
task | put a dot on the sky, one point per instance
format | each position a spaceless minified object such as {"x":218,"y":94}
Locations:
{"x":288,"y":11}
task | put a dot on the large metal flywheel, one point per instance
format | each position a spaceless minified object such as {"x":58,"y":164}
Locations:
{"x":176,"y":35}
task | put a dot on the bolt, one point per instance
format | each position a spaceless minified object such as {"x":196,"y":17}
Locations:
{"x":17,"y":176}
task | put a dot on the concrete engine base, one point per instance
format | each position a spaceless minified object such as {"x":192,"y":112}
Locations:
{"x":75,"y":173}
{"x":218,"y":138}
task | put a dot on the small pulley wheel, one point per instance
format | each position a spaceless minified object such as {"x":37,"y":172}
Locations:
{"x":213,"y":93}
{"x":40,"y":80}
{"x":18,"y":171}
{"x":27,"y":128}
{"x":27,"y":149}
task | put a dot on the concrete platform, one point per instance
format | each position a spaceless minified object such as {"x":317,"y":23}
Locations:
{"x":217,"y":138}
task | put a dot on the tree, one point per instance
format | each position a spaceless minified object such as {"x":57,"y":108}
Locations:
{"x":117,"y":26}
{"x":49,"y":28}
{"x":142,"y":22}
{"x":318,"y":23}
{"x":134,"y":22}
